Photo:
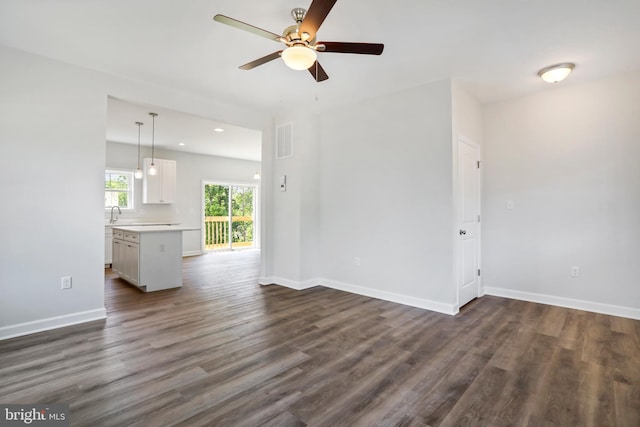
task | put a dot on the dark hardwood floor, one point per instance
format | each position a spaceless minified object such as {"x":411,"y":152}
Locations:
{"x":225,"y":351}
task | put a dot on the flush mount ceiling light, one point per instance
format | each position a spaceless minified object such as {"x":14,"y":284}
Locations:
{"x":299,"y":57}
{"x":218,"y":130}
{"x":152,"y":168}
{"x":138,"y":174}
{"x":556,"y":73}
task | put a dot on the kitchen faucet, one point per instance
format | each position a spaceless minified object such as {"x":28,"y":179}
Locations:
{"x":112,"y":220}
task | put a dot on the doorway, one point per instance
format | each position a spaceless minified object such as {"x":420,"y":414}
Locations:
{"x":468,"y":222}
{"x":229,"y":216}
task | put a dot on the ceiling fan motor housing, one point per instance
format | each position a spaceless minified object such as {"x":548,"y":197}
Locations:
{"x":292,"y":33}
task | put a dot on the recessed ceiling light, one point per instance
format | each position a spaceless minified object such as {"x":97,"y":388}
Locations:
{"x":180,"y":143}
{"x":556,"y":73}
{"x":218,"y":130}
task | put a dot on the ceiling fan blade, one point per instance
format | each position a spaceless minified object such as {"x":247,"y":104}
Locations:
{"x":247,"y":27}
{"x":260,"y":61}
{"x":318,"y":72}
{"x":345,"y":47}
{"x":315,"y":16}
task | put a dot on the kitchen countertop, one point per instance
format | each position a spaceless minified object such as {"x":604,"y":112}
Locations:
{"x":128,"y":224}
{"x":151,"y":228}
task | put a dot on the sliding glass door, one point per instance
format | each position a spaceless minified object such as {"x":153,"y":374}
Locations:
{"x":228,"y":216}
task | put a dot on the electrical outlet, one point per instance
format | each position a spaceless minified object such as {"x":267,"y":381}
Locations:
{"x":65,"y":282}
{"x":575,"y":271}
{"x":356,"y":261}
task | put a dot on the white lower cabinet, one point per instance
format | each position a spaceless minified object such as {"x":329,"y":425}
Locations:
{"x":108,"y":246}
{"x":131,"y":262}
{"x":117,"y":253}
{"x":151,"y":261}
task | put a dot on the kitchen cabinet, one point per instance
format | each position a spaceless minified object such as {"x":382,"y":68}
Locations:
{"x":159,"y":188}
{"x":126,"y":255}
{"x":108,"y":246}
{"x":149,"y":257}
{"x":130,"y":257}
{"x":117,"y":264}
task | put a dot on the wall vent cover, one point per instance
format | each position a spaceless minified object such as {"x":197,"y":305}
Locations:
{"x":284,"y":141}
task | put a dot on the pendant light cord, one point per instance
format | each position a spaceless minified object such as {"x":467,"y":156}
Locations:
{"x":153,"y":135}
{"x":139,"y":124}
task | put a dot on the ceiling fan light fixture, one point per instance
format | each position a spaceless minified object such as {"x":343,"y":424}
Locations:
{"x":557,"y":72}
{"x":299,"y":57}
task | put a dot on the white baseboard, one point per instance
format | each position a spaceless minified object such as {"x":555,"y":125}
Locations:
{"x":596,"y":307}
{"x":298,"y":286}
{"x":191,"y":253}
{"x":426,"y":304}
{"x":28,"y":328}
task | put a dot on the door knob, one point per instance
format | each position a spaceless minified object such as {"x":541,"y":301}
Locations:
{"x":463,"y":232}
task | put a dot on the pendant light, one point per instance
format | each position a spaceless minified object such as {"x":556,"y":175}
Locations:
{"x":152,"y":168}
{"x":138,"y":174}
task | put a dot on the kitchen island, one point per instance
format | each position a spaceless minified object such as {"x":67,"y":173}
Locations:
{"x":149,"y":257}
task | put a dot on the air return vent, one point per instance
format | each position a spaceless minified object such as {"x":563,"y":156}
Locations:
{"x":284,"y":141}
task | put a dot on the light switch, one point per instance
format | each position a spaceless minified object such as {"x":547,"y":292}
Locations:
{"x":509,"y":204}
{"x":283,"y":183}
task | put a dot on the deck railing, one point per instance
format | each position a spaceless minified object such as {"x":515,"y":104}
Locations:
{"x":217,"y":233}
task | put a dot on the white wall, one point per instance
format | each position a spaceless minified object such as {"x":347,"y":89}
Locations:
{"x":467,"y":115}
{"x":291,"y":251}
{"x":374,"y":181}
{"x":51,"y":163}
{"x":52,"y":159}
{"x":386,"y":197}
{"x":308,"y":149}
{"x":568,"y":158}
{"x":192,"y":169}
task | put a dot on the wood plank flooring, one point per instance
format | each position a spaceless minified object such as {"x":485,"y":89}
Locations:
{"x":225,"y":351}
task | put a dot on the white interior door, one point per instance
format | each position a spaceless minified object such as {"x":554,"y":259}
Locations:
{"x":468,"y":212}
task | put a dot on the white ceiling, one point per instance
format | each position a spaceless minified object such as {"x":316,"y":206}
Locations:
{"x":173,"y":128}
{"x":493,"y":47}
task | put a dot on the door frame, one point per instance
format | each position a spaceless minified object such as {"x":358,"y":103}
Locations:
{"x":256,"y":209}
{"x":456,"y":202}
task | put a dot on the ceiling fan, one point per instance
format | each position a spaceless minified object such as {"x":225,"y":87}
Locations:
{"x":300,"y":39}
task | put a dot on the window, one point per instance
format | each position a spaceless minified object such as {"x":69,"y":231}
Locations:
{"x":118,"y":189}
